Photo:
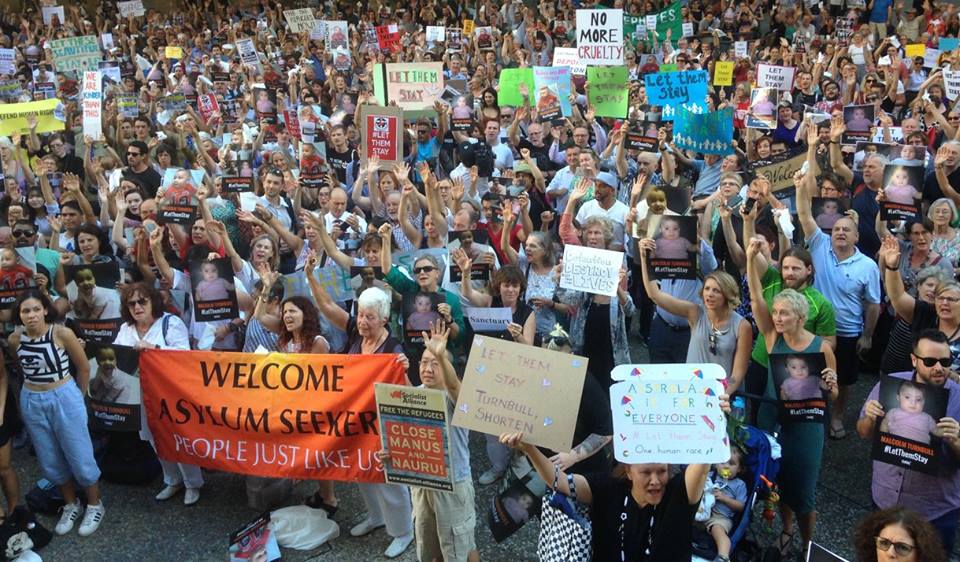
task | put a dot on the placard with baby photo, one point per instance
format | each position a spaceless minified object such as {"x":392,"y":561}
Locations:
{"x":676,"y":253}
{"x":868,"y":148}
{"x":17,"y":269}
{"x":800,"y":388}
{"x":94,"y":300}
{"x":902,"y":192}
{"x":763,"y":109}
{"x":114,"y":389}
{"x":255,"y":541}
{"x":907,"y":434}
{"x":178,"y":196}
{"x":642,"y":135}
{"x":363,"y":277}
{"x":478,"y":272}
{"x":237,"y":176}
{"x":214,"y":294}
{"x":859,"y":122}
{"x":419,"y":310}
{"x":827,"y":211}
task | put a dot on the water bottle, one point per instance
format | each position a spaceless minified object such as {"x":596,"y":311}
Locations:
{"x":738,"y":409}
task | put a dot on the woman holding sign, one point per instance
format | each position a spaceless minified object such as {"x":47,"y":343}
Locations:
{"x":367,"y":333}
{"x":718,"y":334}
{"x":783,"y":329}
{"x":638,"y":512}
{"x":508,"y":288}
{"x":147,"y":326}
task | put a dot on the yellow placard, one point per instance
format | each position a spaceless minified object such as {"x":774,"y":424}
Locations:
{"x":468,"y":27}
{"x":49,"y":114}
{"x":916,"y":50}
{"x":174,"y":52}
{"x":723,"y":73}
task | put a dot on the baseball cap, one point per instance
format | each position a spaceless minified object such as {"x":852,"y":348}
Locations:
{"x":608,"y":178}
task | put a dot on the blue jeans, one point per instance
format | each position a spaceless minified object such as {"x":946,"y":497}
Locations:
{"x":668,"y":344}
{"x":946,"y":525}
{"x":57,"y":422}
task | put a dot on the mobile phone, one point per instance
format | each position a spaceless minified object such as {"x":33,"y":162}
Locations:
{"x":748,"y":206}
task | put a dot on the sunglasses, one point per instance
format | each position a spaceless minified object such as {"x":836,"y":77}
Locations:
{"x":423,"y":269}
{"x":137,"y":302}
{"x":713,"y":337}
{"x":23,"y":233}
{"x":930,"y":362}
{"x":901,"y":548}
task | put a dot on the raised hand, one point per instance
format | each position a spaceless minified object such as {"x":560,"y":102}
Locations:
{"x":435,"y":341}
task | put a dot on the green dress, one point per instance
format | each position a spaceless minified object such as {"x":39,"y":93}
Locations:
{"x":801,"y":444}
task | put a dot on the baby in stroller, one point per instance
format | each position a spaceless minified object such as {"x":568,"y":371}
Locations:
{"x":730,"y":493}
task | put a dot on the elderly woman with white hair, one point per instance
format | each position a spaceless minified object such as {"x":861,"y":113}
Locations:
{"x":367,"y":333}
{"x":783,"y":329}
{"x":946,"y":238}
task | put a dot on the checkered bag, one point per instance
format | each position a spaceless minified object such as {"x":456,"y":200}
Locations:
{"x":565,"y":531}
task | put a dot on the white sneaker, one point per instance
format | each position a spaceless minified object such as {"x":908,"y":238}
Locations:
{"x":365,"y":527}
{"x":71,"y":512}
{"x":192,"y":496}
{"x":398,"y":545}
{"x":91,"y":520}
{"x":489,"y":477}
{"x":168,"y":492}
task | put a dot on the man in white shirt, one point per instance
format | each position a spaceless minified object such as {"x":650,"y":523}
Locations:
{"x":605,"y":204}
{"x":353,"y":225}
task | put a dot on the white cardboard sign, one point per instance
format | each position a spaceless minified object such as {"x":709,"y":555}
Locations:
{"x":591,"y":270}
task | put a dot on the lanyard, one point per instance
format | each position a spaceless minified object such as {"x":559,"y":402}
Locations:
{"x":623,"y":521}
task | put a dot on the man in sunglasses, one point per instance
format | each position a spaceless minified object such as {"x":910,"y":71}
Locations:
{"x":935,"y":497}
{"x":25,"y":236}
{"x":139,"y":168}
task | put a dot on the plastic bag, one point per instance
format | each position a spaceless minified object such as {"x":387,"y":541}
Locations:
{"x":303,"y":528}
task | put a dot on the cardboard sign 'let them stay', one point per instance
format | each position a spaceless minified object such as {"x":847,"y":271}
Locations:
{"x":511,"y":387}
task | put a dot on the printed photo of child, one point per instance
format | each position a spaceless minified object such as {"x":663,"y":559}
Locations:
{"x":801,"y":382}
{"x":211,"y":287}
{"x":423,"y":312}
{"x":89,"y":301}
{"x":828,"y":211}
{"x":13,"y":273}
{"x":908,"y":419}
{"x":673,"y":243}
{"x":899,"y":186}
{"x":108,"y":382}
{"x":763,"y":106}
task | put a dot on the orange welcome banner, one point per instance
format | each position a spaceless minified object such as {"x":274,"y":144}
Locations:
{"x":278,"y":415}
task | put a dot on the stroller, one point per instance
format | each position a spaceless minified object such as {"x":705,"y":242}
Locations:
{"x":758,"y":470}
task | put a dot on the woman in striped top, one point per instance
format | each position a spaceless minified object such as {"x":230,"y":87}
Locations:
{"x":53,"y":409}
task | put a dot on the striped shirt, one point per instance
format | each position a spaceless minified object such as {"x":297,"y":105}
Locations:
{"x":41,"y":360}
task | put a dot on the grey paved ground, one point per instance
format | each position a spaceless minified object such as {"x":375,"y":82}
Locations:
{"x":137,"y":528}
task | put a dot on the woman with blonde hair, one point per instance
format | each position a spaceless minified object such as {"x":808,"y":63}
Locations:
{"x":718,"y":334}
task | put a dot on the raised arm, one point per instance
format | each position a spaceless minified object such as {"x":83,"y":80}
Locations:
{"x":412,"y":233}
{"x":889,"y":258}
{"x":334,"y":313}
{"x":329,"y":246}
{"x":760,"y":312}
{"x":156,"y":247}
{"x":474,"y":297}
{"x":268,"y":279}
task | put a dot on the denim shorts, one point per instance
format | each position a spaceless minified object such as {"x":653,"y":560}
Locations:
{"x":57,"y":422}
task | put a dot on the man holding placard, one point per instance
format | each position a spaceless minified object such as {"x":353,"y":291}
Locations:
{"x":934,"y":496}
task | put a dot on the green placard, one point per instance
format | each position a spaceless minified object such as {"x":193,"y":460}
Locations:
{"x":668,"y":67}
{"x":609,"y":92}
{"x":509,"y":86}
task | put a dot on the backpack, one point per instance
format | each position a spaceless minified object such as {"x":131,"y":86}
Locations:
{"x":21,"y":532}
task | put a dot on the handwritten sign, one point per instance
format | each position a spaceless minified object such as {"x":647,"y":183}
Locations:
{"x":673,"y":89}
{"x":131,"y":8}
{"x":413,"y":86}
{"x":951,"y":79}
{"x":930,"y":58}
{"x":7,"y":61}
{"x":591,"y":270}
{"x":948,"y":44}
{"x":49,"y":12}
{"x":76,"y":53}
{"x":92,"y":105}
{"x":567,"y":56}
{"x":779,"y":77}
{"x":488,"y":319}
{"x":740,"y":50}
{"x":468,"y":27}
{"x":415,"y":430}
{"x":723,"y":73}
{"x":173,"y":52}
{"x":382,"y":133}
{"x":780,"y":170}
{"x":609,"y":91}
{"x":509,"y":386}
{"x":436,"y":33}
{"x":669,"y":414}
{"x":600,"y":36}
{"x":300,"y":20}
{"x":915,"y":50}
{"x":510,"y":81}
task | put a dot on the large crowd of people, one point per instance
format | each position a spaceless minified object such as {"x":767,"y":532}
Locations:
{"x":224,"y":153}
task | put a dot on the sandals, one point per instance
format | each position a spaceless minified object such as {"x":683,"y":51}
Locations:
{"x":784,"y":546}
{"x":316,"y":502}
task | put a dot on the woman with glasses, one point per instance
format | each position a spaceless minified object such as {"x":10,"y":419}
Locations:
{"x":897,"y":534}
{"x":946,"y":238}
{"x":915,"y":252}
{"x":943,"y":314}
{"x":147,"y":326}
{"x":782,"y":326}
{"x":718,"y":334}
